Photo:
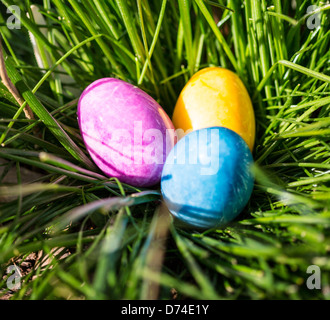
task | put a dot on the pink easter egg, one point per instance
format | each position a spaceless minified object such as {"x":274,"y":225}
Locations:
{"x":126,"y":132}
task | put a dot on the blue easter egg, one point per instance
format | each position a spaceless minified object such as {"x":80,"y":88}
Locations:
{"x":207,"y":180}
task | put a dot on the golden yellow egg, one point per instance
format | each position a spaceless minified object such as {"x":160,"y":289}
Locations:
{"x":216,"y":97}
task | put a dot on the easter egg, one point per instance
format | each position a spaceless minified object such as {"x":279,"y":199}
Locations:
{"x":126,"y":132}
{"x":216,"y":97}
{"x":207,"y":180}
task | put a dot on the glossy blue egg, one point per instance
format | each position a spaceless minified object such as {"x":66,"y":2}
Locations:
{"x":207,"y":180}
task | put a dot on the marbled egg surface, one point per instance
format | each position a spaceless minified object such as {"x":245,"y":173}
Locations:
{"x":207,"y":179}
{"x":126,"y":132}
{"x":216,"y":97}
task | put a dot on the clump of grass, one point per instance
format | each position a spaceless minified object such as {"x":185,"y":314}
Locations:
{"x":96,"y":238}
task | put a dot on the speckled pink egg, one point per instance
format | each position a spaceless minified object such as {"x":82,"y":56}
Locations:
{"x":126,"y":132}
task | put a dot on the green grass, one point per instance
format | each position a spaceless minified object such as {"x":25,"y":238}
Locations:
{"x":107,"y":240}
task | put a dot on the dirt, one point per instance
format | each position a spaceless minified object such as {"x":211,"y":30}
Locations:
{"x":27,"y":176}
{"x":10,"y":178}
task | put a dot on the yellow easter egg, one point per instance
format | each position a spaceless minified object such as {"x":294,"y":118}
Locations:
{"x":216,"y":97}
